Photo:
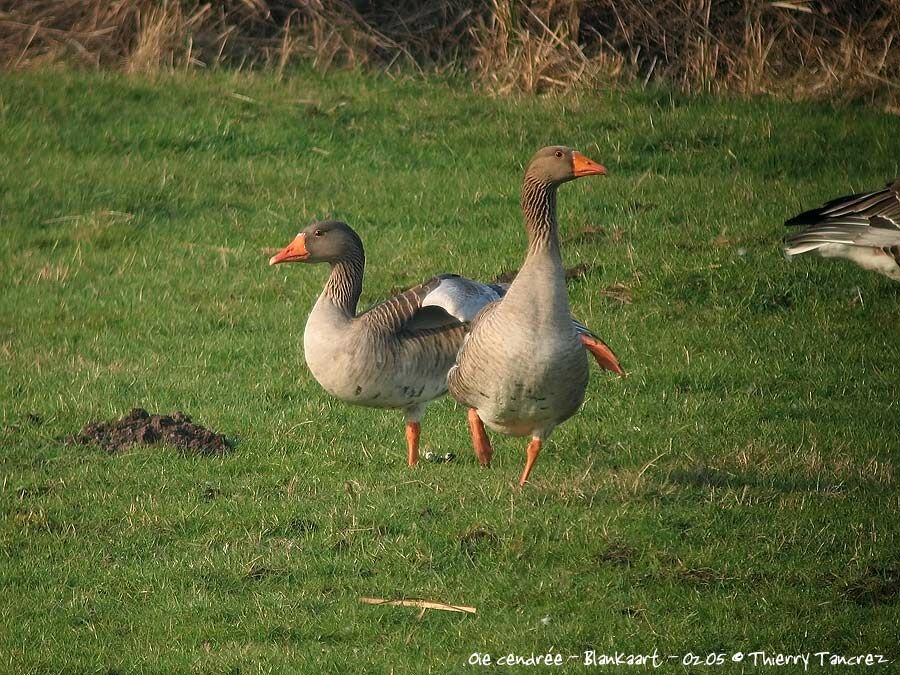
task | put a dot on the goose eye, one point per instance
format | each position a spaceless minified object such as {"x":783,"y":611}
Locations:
{"x":318,"y":233}
{"x":559,"y":154}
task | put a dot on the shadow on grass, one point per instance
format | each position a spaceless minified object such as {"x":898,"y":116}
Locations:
{"x":875,"y":585}
{"x":706,"y":476}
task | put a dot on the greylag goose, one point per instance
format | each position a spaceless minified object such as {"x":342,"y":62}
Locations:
{"x":864,"y":228}
{"x":522,"y":369}
{"x":396,"y":354}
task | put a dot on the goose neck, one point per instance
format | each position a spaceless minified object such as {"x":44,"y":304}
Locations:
{"x":344,"y":285}
{"x":539,"y":207}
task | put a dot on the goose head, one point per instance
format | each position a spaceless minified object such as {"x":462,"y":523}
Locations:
{"x":557,"y":164}
{"x":327,"y":241}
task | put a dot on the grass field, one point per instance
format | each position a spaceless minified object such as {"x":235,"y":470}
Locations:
{"x":738,"y":491}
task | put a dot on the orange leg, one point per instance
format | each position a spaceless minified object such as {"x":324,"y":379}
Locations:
{"x":480,"y":440}
{"x":531,"y":455}
{"x":602,"y":354}
{"x":412,"y":442}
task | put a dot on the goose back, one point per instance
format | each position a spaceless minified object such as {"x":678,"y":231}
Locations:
{"x":397,"y":353}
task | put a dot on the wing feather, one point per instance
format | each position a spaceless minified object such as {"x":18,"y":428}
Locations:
{"x":859,"y":208}
{"x":868,"y":219}
{"x":444,"y":301}
{"x":462,"y":298}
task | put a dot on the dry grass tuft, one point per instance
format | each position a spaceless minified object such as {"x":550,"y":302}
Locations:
{"x":530,"y":47}
{"x":799,"y":48}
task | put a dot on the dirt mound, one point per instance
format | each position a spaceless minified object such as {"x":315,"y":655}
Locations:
{"x":140,"y":427}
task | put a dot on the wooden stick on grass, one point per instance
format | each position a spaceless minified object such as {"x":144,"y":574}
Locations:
{"x":424,"y":604}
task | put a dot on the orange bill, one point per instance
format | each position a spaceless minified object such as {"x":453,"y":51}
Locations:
{"x":582,"y":166}
{"x":293,"y":252}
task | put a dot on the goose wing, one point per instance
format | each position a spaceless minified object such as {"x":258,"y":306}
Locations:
{"x":864,"y":219}
{"x":449,"y":301}
{"x":443,"y":301}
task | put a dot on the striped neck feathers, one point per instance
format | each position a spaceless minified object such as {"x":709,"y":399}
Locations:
{"x":539,"y":206}
{"x":344,"y":285}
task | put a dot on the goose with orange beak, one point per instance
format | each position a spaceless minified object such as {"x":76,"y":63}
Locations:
{"x":396,"y":354}
{"x":522,"y":369}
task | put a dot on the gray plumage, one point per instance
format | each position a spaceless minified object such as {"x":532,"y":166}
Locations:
{"x":864,"y":228}
{"x":523,"y":369}
{"x":397,"y":353}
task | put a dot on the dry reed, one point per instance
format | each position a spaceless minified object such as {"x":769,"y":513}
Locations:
{"x":799,"y":48}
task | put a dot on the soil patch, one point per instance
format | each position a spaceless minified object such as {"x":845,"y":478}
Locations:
{"x":618,"y":292}
{"x":141,"y":428}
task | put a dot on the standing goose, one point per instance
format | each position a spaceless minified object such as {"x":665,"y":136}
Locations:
{"x":522,"y":369}
{"x":864,"y":228}
{"x":396,"y":354}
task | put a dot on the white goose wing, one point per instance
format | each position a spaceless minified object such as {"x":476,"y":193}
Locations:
{"x":462,"y":298}
{"x":444,"y":301}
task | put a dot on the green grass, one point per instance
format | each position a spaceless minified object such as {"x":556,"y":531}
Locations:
{"x":737,"y":491}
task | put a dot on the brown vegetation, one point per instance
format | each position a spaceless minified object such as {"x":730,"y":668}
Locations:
{"x":802,"y":48}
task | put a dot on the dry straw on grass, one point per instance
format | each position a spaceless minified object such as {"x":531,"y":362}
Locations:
{"x":802,"y":48}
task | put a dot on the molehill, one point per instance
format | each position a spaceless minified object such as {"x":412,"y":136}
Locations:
{"x":141,"y":428}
